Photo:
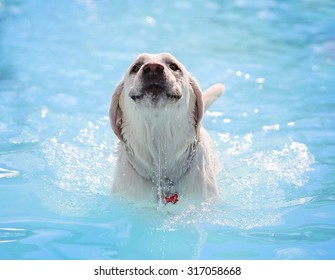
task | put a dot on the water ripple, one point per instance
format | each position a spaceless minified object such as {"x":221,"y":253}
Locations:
{"x":310,"y":233}
{"x":5,"y":173}
{"x":12,"y":234}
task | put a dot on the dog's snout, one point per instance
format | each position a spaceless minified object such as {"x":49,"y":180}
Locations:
{"x":153,"y":68}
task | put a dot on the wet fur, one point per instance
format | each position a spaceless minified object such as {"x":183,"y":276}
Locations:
{"x":163,"y":143}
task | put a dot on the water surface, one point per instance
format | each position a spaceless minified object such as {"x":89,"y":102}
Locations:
{"x":274,"y":129}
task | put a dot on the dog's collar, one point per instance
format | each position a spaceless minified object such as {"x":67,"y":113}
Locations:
{"x":191,"y":153}
{"x":167,"y":192}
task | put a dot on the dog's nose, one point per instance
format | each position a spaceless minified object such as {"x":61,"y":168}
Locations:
{"x":153,"y":68}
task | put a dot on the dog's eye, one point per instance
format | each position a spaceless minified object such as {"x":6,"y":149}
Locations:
{"x":174,"y":67}
{"x":135,"y":68}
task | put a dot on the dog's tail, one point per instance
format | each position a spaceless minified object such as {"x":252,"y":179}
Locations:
{"x":211,"y":94}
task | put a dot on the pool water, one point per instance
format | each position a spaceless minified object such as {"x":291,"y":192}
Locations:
{"x":274,"y":128}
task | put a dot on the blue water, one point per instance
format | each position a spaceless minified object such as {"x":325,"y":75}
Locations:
{"x":274,"y":128}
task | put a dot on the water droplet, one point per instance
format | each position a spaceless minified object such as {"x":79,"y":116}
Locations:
{"x":271,"y":127}
{"x":260,"y":80}
{"x":44,"y":112}
{"x":150,"y":20}
{"x":238,"y":73}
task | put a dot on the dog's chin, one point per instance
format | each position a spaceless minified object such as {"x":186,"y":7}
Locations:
{"x":155,"y":95}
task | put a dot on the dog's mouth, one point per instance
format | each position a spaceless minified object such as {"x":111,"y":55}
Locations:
{"x":154,"y":93}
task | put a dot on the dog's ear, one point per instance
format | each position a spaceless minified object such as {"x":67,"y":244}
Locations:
{"x":199,"y":107}
{"x":115,"y":113}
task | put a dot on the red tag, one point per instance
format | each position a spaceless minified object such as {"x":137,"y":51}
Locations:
{"x":172,"y":198}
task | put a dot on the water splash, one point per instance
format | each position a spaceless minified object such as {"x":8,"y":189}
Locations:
{"x":80,"y":170}
{"x":257,"y":187}
{"x":257,"y":184}
{"x":159,"y":183}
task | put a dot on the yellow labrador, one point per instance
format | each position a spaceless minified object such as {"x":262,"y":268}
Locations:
{"x":163,"y":152}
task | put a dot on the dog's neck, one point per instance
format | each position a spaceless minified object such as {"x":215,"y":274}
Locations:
{"x":161,"y":175}
{"x":160,"y":149}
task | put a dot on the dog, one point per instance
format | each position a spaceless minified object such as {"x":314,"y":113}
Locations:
{"x":163,"y":154}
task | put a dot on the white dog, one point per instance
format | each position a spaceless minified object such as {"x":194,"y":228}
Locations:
{"x":156,"y":113}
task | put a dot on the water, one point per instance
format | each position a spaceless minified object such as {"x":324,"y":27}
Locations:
{"x":274,"y":129}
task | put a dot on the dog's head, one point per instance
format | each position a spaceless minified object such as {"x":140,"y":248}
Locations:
{"x":156,"y":83}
